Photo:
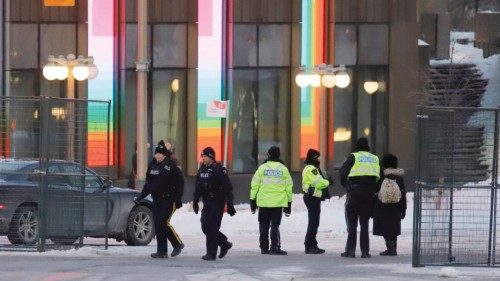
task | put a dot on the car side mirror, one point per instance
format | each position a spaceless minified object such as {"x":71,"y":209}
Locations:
{"x":107,"y":183}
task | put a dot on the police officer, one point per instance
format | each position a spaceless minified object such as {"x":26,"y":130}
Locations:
{"x":359,"y":175}
{"x":315,"y":188}
{"x":271,"y":192}
{"x":165,"y":181}
{"x":213,"y":185}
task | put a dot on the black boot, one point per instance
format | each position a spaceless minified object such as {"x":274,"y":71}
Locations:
{"x":208,"y":257}
{"x":224,"y":249}
{"x":347,"y":255}
{"x":315,"y":251}
{"x":177,"y":250}
{"x":158,"y":255}
{"x":391,"y":249}
{"x":278,"y":252}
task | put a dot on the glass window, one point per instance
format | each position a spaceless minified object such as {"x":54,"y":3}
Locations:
{"x":131,"y":45}
{"x":57,"y":39}
{"x":345,"y":44}
{"x":167,"y":106}
{"x":24,"y":83}
{"x":274,"y":45}
{"x":245,"y":45}
{"x":170,"y":45}
{"x":23,"y":46}
{"x":255,"y":127}
{"x":373,"y":44}
{"x":342,"y":120}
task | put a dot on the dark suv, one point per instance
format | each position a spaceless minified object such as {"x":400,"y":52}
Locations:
{"x":75,"y":198}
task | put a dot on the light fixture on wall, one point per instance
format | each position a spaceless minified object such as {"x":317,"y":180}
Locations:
{"x":371,"y":87}
{"x":322,"y":74}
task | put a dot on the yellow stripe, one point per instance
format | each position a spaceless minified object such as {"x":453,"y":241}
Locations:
{"x":171,"y":228}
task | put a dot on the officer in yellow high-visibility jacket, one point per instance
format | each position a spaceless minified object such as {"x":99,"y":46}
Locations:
{"x":315,"y":188}
{"x":271,"y":192}
{"x":359,"y":175}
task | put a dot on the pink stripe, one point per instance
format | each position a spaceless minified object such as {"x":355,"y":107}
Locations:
{"x":102,"y":16}
{"x":205,"y":8}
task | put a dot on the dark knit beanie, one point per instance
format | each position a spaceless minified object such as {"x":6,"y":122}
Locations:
{"x":273,"y":153}
{"x":161,"y":148}
{"x":362,"y":145}
{"x":210,"y":152}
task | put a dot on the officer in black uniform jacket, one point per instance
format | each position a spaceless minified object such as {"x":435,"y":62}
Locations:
{"x":164,"y":180}
{"x":212,"y":183}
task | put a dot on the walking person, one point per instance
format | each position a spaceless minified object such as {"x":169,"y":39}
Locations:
{"x":164,"y":180}
{"x":214,"y":186}
{"x":315,"y":188}
{"x":387,"y":216}
{"x":271,"y":192}
{"x":359,"y":174}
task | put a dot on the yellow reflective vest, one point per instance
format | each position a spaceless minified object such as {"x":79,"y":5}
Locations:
{"x":365,"y":164}
{"x":271,"y":185}
{"x":311,"y":177}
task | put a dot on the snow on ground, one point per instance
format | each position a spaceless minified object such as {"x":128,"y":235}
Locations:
{"x":244,"y":261}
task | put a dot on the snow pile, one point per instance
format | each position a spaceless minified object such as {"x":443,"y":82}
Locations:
{"x":448,"y":272}
{"x":490,"y":66}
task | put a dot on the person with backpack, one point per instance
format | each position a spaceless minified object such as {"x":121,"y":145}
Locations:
{"x":359,"y":174}
{"x":271,"y":192}
{"x":390,"y":205}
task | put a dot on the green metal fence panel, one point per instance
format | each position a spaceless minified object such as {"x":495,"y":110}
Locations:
{"x":455,"y":200}
{"x":48,"y":196}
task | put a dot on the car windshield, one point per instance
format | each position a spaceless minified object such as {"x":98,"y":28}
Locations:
{"x":9,"y":168}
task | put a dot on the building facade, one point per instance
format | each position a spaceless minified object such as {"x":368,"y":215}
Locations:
{"x":245,"y":51}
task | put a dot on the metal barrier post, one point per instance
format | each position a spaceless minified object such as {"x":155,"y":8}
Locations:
{"x":417,"y":194}
{"x":492,"y":234}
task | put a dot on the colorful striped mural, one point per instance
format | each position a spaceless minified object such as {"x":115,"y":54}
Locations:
{"x":101,"y":46}
{"x":209,"y":73}
{"x":312,"y":53}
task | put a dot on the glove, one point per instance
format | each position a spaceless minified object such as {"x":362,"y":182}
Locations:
{"x":330,"y":180}
{"x":253,"y":206}
{"x":196,"y":208}
{"x":403,"y":214}
{"x":230,"y":210}
{"x":136,"y":201}
{"x":178,"y":204}
{"x":288,"y":210}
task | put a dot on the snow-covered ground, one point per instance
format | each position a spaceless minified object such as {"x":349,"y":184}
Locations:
{"x":244,"y":261}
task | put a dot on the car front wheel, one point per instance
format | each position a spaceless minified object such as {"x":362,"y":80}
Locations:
{"x":24,"y":226}
{"x":140,"y":227}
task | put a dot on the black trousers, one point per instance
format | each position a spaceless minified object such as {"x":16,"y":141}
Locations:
{"x":162,"y":212}
{"x":270,"y":217}
{"x":390,"y":238}
{"x":313,"y":205}
{"x":211,"y":218}
{"x":352,"y":215}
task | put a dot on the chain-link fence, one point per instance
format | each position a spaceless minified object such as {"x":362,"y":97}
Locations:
{"x":48,"y":196}
{"x":455,"y":220}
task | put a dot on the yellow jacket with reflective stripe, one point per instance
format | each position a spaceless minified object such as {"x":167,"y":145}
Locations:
{"x":365,"y":164}
{"x":311,"y":177}
{"x":271,"y":185}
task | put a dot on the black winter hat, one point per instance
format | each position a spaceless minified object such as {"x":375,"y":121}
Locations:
{"x":362,"y":145}
{"x":312,"y":155}
{"x":209,"y":151}
{"x":390,"y":161}
{"x":161,"y":148}
{"x":273,"y":152}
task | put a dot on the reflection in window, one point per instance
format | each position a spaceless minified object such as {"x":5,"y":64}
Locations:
{"x":274,"y":45}
{"x":169,"y":45}
{"x":168,"y":103}
{"x":23,"y":46}
{"x":245,"y":44}
{"x":255,"y":126}
{"x":345,"y":44}
{"x":373,"y":44}
{"x":369,"y":112}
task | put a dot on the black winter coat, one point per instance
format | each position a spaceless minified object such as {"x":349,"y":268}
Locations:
{"x":387,"y":217}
